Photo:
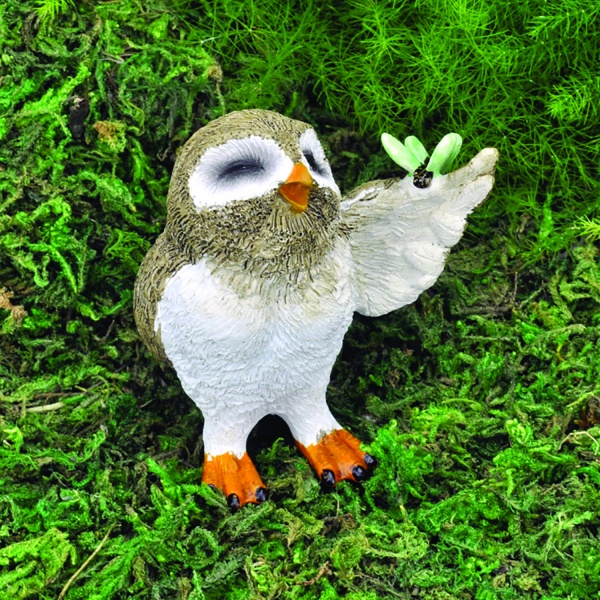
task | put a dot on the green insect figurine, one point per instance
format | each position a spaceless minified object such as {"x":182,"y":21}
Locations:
{"x":413,"y":157}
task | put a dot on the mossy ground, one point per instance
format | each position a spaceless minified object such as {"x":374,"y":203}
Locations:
{"x":481,"y":401}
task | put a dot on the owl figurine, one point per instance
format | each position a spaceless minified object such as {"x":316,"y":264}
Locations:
{"x":250,"y":288}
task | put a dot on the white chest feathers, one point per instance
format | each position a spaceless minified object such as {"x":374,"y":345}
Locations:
{"x":248,"y":345}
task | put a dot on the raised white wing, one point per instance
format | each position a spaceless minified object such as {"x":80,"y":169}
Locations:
{"x":400,"y":234}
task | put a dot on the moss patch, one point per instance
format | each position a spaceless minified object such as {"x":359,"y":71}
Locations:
{"x":480,"y":401}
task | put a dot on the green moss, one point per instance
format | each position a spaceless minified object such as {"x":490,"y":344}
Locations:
{"x":480,"y":401}
{"x":32,"y":563}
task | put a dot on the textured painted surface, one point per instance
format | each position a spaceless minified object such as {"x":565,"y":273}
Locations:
{"x":241,"y":358}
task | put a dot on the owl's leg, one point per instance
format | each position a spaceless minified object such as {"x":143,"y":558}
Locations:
{"x":227,"y":465}
{"x":337,"y":456}
{"x":236,"y":477}
{"x":333,"y":452}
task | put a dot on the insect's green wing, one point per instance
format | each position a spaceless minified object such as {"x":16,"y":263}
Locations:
{"x":444,"y":154}
{"x":413,"y":145}
{"x":399,"y":153}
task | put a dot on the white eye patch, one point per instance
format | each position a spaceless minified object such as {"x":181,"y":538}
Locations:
{"x":238,"y":170}
{"x":313,"y":156}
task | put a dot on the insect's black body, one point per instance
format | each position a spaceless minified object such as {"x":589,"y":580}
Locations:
{"x":421,"y":176}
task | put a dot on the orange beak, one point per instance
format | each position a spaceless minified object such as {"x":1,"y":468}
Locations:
{"x":297,"y":188}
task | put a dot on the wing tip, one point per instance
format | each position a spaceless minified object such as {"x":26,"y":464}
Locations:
{"x":485,"y":161}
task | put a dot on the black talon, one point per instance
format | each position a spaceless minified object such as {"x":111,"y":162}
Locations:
{"x":261,"y":494}
{"x":212,"y":486}
{"x":233,"y":502}
{"x":369,"y":461}
{"x":328,"y":478}
{"x":359,"y":473}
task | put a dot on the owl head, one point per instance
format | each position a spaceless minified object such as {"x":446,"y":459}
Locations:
{"x":254,"y":188}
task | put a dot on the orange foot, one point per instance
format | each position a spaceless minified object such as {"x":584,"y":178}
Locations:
{"x":337,"y":456}
{"x":236,"y":477}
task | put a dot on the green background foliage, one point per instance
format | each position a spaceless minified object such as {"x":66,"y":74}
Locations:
{"x":481,"y":401}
